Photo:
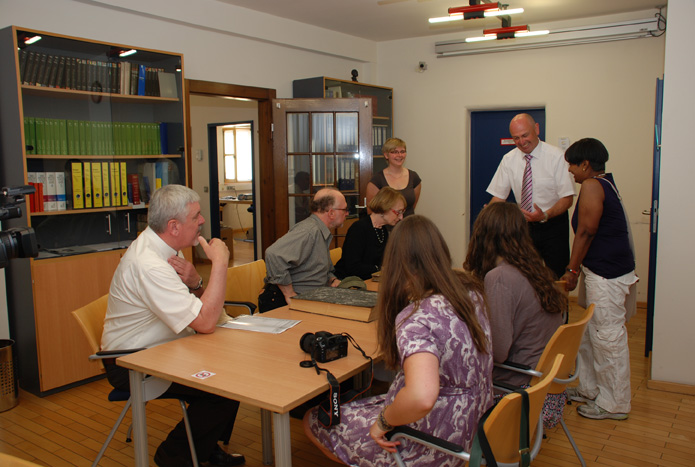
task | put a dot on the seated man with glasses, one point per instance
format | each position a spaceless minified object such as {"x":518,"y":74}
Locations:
{"x":300,"y":260}
{"x":366,"y":239}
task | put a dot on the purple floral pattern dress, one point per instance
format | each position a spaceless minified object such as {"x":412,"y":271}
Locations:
{"x":465,"y":393}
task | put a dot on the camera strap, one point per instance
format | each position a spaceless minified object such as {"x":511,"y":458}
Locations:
{"x":329,"y":410}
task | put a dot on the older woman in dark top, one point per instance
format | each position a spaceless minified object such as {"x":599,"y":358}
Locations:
{"x":366,"y":239}
{"x":602,"y":248}
{"x":396,"y":176}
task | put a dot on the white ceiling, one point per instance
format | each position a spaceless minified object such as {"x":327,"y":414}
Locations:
{"x":383,"y":20}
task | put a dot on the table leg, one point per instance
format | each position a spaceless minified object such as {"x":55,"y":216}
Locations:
{"x":266,"y":437}
{"x":283,"y":445}
{"x":137,"y":398}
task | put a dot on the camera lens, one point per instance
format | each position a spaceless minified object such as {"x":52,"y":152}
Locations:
{"x":308,"y":342}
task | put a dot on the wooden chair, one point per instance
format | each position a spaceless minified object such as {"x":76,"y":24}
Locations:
{"x":564,"y":341}
{"x":244,"y":283}
{"x":501,"y":427}
{"x":91,"y":320}
{"x":336,"y":254}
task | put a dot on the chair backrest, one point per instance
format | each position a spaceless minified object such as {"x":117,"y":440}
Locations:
{"x":565,"y":341}
{"x":245,"y":282}
{"x":502,"y":425}
{"x":336,"y":254}
{"x":91,"y":319}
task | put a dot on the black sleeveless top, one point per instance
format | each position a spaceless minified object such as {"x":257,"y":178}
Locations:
{"x":609,"y":254}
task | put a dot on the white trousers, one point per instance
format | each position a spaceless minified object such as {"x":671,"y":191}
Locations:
{"x":604,"y":356}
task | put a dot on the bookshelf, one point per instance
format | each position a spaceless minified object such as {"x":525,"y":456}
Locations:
{"x":107,"y":129}
{"x":382,"y":106}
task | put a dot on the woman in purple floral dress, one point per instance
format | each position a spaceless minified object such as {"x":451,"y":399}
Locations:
{"x":433,"y":327}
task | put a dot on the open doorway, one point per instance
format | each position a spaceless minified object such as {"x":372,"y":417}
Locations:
{"x":256,"y":103}
{"x":231,"y":163}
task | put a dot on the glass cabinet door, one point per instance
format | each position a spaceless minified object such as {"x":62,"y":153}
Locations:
{"x":326,"y":145}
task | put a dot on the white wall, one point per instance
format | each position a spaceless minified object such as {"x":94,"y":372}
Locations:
{"x":605,"y":91}
{"x":674,"y":320}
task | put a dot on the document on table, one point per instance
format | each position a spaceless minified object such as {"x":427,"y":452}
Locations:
{"x":260,"y":324}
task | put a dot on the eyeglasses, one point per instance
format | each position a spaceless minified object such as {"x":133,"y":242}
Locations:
{"x":399,"y":212}
{"x":396,"y":151}
{"x":341,"y":209}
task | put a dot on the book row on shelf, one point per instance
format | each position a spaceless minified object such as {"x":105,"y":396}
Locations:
{"x":98,"y":185}
{"x":84,"y":137}
{"x":81,"y":74}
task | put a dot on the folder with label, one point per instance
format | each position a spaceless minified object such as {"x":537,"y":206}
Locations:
{"x":105,"y":185}
{"x":97,"y":196}
{"x":87,"y":176}
{"x":77,"y":186}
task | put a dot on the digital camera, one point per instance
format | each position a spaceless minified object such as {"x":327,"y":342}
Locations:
{"x":18,"y":242}
{"x":324,"y":346}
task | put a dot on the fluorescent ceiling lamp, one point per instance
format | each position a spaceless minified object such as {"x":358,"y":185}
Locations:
{"x":125,"y":53}
{"x":633,"y":29}
{"x":31,"y":40}
{"x":491,"y":36}
{"x":487,"y":13}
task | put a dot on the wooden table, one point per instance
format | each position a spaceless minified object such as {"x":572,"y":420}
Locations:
{"x":254,"y":368}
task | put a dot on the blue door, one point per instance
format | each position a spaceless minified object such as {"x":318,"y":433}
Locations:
{"x":490,"y":141}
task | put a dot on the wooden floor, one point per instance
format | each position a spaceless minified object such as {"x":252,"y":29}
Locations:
{"x":68,"y":428}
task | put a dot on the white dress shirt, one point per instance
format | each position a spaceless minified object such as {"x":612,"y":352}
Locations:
{"x":148,"y":302}
{"x":551,"y":180}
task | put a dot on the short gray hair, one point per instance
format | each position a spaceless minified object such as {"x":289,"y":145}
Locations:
{"x":170,"y":202}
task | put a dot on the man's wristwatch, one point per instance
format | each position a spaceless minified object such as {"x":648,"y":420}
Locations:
{"x":545,"y":218}
{"x":197,"y":287}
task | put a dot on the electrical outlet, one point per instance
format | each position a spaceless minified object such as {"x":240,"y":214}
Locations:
{"x":231,"y":188}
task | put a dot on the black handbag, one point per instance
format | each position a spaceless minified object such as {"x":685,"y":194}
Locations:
{"x":271,"y":297}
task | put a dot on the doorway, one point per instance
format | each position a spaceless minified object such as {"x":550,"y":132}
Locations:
{"x":490,"y":141}
{"x":265,"y":232}
{"x":232,"y":172}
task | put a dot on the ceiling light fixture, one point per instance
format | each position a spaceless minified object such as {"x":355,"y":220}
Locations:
{"x":476,"y":11}
{"x":511,"y":32}
{"x":506,"y":32}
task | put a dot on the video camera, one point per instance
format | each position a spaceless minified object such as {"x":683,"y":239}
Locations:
{"x":17,"y":242}
{"x":324,"y":346}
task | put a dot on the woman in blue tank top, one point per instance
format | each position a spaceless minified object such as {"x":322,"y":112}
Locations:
{"x":602,"y":249}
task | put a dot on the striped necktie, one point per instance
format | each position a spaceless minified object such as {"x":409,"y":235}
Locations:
{"x":527,"y":186}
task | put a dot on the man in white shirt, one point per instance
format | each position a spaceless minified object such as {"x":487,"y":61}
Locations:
{"x":157,"y":296}
{"x":552,"y":190}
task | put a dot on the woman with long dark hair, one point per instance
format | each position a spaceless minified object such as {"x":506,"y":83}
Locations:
{"x":525,"y":307}
{"x":433,"y":328}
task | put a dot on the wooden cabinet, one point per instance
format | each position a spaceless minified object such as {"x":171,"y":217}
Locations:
{"x":382,"y":106}
{"x":65,"y":284}
{"x":107,"y":128}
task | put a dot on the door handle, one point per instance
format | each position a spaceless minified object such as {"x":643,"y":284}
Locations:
{"x":647,"y":212}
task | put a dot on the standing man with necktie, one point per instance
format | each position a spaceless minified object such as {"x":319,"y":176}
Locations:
{"x":537,"y":174}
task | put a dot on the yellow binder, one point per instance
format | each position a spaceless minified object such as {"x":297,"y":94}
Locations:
{"x":77,"y":189}
{"x":115,"y":184}
{"x":124,"y":185}
{"x":97,"y":197}
{"x":87,"y":175}
{"x":105,"y":185}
